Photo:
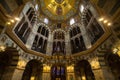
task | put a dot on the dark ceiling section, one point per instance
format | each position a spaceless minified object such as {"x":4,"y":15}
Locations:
{"x":115,"y":7}
{"x":101,"y":3}
{"x":19,"y":2}
{"x":5,"y":5}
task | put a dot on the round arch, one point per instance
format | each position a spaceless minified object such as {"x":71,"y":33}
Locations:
{"x":83,"y":70}
{"x":33,"y":70}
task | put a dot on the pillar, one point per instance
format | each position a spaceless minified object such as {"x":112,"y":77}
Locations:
{"x":85,"y":37}
{"x":8,"y":73}
{"x":49,"y":44}
{"x":31,"y":37}
{"x":18,"y":74}
{"x":97,"y":71}
{"x":102,"y":72}
{"x":19,"y":70}
{"x":67,"y":44}
{"x":105,"y":69}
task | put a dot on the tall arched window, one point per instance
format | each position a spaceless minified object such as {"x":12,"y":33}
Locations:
{"x":40,"y":41}
{"x":33,"y":70}
{"x":22,"y":32}
{"x":92,"y":26}
{"x":58,"y":72}
{"x":59,"y":42}
{"x":23,"y":28}
{"x":77,"y":43}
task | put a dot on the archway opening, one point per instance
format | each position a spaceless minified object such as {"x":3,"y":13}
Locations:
{"x":58,"y":72}
{"x":83,"y":71}
{"x":33,"y":71}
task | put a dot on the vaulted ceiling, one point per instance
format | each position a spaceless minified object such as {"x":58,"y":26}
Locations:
{"x":59,"y":9}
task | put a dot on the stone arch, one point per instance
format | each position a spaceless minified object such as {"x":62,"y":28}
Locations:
{"x":33,"y":70}
{"x":83,"y":70}
{"x":74,"y":30}
{"x":58,"y":41}
{"x":43,"y":31}
{"x":104,"y":68}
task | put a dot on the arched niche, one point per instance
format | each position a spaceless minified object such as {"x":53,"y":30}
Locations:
{"x":43,"y":31}
{"x":83,"y":70}
{"x":59,"y":35}
{"x":41,"y":39}
{"x":24,"y":26}
{"x":77,"y":44}
{"x":74,"y":31}
{"x":58,"y":72}
{"x":59,"y":42}
{"x":19,"y":25}
{"x":33,"y":70}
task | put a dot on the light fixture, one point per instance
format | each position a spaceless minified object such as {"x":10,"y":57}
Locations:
{"x":83,"y":78}
{"x":109,"y":24}
{"x":17,"y":19}
{"x":2,"y":48}
{"x":8,"y":23}
{"x":101,"y":19}
{"x":32,"y":78}
{"x":12,"y":20}
{"x":115,"y":50}
{"x":21,"y":64}
{"x":105,"y":21}
{"x":46,"y":68}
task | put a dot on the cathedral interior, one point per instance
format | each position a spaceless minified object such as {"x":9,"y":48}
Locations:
{"x":59,"y":39}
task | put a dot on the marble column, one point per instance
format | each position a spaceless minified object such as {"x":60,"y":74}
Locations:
{"x":18,"y":74}
{"x":102,"y":72}
{"x":67,"y":44}
{"x":8,"y":73}
{"x":85,"y":37}
{"x":49,"y":44}
{"x":31,"y":37}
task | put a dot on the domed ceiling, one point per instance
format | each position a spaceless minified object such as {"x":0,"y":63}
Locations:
{"x":59,"y":9}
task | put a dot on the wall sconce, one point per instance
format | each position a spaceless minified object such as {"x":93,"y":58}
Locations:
{"x":21,"y":64}
{"x":12,"y":20}
{"x":70,"y":68}
{"x":116,"y":51}
{"x":101,"y":19}
{"x":2,"y":48}
{"x":83,"y":78}
{"x":32,"y":78}
{"x":105,"y":21}
{"x":46,"y":68}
